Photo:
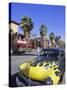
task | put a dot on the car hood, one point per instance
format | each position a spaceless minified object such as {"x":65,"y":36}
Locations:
{"x":34,"y":72}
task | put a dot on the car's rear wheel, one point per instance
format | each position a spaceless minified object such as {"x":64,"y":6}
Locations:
{"x":49,"y":81}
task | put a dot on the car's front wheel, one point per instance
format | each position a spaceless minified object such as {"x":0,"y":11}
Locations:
{"x":49,"y":81}
{"x":19,"y":83}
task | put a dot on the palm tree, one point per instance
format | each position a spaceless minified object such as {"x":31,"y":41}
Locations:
{"x":61,"y":43}
{"x":27,"y":26}
{"x":52,"y":37}
{"x":57,"y":38}
{"x":43,"y":32}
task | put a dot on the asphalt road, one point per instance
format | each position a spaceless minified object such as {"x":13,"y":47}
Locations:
{"x":17,"y":60}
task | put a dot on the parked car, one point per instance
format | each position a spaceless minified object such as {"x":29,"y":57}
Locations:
{"x":46,"y":69}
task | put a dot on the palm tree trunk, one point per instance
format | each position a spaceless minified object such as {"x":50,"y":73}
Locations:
{"x":26,"y":34}
{"x":43,"y":42}
{"x":52,"y":44}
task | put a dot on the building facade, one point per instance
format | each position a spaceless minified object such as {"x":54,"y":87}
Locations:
{"x":13,"y":26}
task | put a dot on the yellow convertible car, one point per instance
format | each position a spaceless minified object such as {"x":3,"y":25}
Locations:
{"x":43,"y":70}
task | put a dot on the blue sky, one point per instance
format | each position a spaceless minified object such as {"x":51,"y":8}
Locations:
{"x":51,"y":15}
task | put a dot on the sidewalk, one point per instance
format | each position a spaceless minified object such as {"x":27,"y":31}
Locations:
{"x":34,"y":52}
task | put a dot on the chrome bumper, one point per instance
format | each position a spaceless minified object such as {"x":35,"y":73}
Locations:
{"x":24,"y":81}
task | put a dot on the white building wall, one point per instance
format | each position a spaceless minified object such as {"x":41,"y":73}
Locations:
{"x":14,"y":27}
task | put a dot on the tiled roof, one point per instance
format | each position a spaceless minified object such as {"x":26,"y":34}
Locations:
{"x":13,"y":22}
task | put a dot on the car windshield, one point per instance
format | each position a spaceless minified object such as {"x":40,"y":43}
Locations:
{"x":49,"y":53}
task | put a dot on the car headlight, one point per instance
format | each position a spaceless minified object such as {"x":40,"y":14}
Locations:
{"x":49,"y":81}
{"x":20,"y":67}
